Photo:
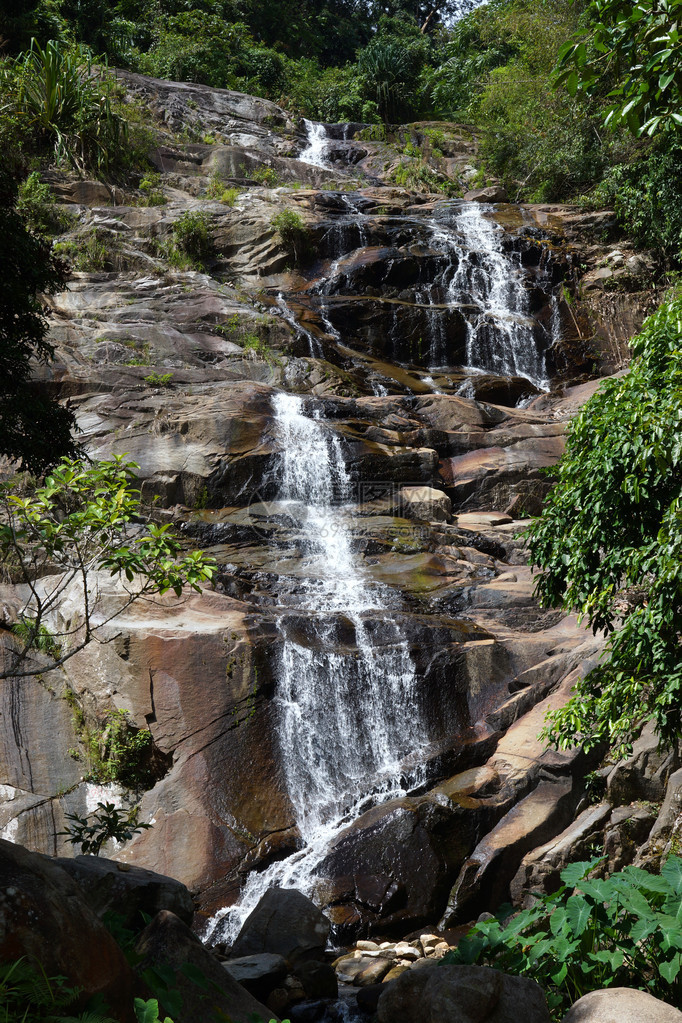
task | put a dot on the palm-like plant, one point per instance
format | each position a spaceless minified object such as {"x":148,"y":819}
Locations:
{"x":66,"y":99}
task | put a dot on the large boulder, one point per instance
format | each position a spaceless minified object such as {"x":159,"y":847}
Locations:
{"x":127,"y":890}
{"x":44,"y":916}
{"x":206,"y":989}
{"x":259,"y":974}
{"x":285,"y":923}
{"x":621,"y":1005}
{"x":461,"y":994}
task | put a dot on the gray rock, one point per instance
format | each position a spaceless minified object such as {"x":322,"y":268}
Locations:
{"x":462,"y":994}
{"x":166,"y":941}
{"x":621,"y":1005}
{"x":284,"y":922}
{"x":259,"y":974}
{"x":127,"y":890}
{"x":494,"y":193}
{"x":644,"y":775}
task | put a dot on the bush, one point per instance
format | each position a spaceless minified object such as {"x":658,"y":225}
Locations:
{"x":37,"y":206}
{"x":192,"y":235}
{"x":105,"y":823}
{"x":293,"y":231}
{"x":64,"y":101}
{"x":610,"y":545}
{"x":623,"y":931}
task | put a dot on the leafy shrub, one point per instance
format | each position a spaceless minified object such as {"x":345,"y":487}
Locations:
{"x":293,"y":231}
{"x":592,"y":933}
{"x":28,"y":995}
{"x":192,"y":235}
{"x":89,"y":252}
{"x":119,"y":752}
{"x":266,"y":176}
{"x":64,"y":100}
{"x":150,"y":186}
{"x":105,"y":823}
{"x":217,"y":189}
{"x":159,"y":380}
{"x":37,"y":206}
{"x":609,"y":543}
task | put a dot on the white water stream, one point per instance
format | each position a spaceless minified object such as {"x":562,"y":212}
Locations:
{"x":347,"y":700}
{"x":316,"y":148}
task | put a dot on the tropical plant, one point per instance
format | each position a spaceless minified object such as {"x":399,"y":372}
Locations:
{"x":636,"y":47}
{"x":107,"y":822}
{"x":609,"y":544}
{"x":64,"y":99}
{"x":292,"y":229}
{"x":35,"y":429}
{"x":390,"y":68}
{"x":36,"y":205}
{"x":623,"y":931}
{"x":28,"y":995}
{"x":60,"y":537}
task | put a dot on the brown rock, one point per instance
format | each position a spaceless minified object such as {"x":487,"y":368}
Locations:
{"x":621,"y":1005}
{"x":493,"y":194}
{"x":44,"y":916}
{"x":166,"y":941}
{"x":461,"y":994}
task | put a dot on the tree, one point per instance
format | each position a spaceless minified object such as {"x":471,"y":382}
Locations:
{"x":636,"y":48}
{"x":34,"y":428}
{"x":610,"y":545}
{"x":57,"y":538}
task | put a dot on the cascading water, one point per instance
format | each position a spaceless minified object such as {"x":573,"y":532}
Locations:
{"x":316,"y":147}
{"x":347,"y":699}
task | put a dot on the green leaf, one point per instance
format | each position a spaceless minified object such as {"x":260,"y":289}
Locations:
{"x":579,"y":912}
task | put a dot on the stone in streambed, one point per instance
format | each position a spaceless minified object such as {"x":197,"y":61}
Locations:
{"x":461,"y":994}
{"x":259,"y":974}
{"x":318,"y":979}
{"x":286,"y":923}
{"x":374,"y":973}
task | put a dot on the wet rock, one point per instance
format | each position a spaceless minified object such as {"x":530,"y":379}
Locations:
{"x":374,"y":973}
{"x":167,"y":942}
{"x":259,"y":974}
{"x":286,"y":923}
{"x":127,"y":890}
{"x":307,"y":1012}
{"x":621,"y":1005}
{"x":368,"y":997}
{"x":461,"y":994}
{"x":44,"y":917}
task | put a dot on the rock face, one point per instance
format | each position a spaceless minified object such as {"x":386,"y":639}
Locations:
{"x":461,"y":994}
{"x":621,"y":1005}
{"x":374,"y":324}
{"x":43,"y":917}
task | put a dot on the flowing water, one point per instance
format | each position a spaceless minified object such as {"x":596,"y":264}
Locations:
{"x":350,"y":731}
{"x":317,"y":142}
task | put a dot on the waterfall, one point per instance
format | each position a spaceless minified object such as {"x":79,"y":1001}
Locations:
{"x":315,"y":150}
{"x":488,"y":284}
{"x":347,"y":693}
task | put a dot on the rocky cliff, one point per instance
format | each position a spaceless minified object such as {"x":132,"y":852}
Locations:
{"x":432,"y":349}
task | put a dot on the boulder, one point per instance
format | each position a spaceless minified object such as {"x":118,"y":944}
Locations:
{"x":425,"y":503}
{"x":44,"y":916}
{"x":494,"y":193}
{"x":621,"y":1005}
{"x":461,"y":994}
{"x":644,"y":775}
{"x":286,"y":923}
{"x":259,"y":974}
{"x":127,"y":890}
{"x":670,"y":813}
{"x":168,"y":942}
{"x":318,"y":979}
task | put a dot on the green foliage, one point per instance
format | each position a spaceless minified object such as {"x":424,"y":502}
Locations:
{"x":28,"y":995}
{"x":63,"y":100}
{"x":625,"y":931}
{"x":217,"y":189}
{"x":636,"y":49}
{"x":293,"y":231}
{"x":647,"y":197}
{"x":37,"y":206}
{"x":119,"y":752}
{"x":105,"y":823}
{"x":266,"y":176}
{"x":148,"y":1012}
{"x":82,"y":520}
{"x":88,"y":252}
{"x":150,"y":186}
{"x":193,"y":236}
{"x":610,"y":544}
{"x":159,"y":380}
{"x":34,"y":428}
{"x":390,"y":68}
